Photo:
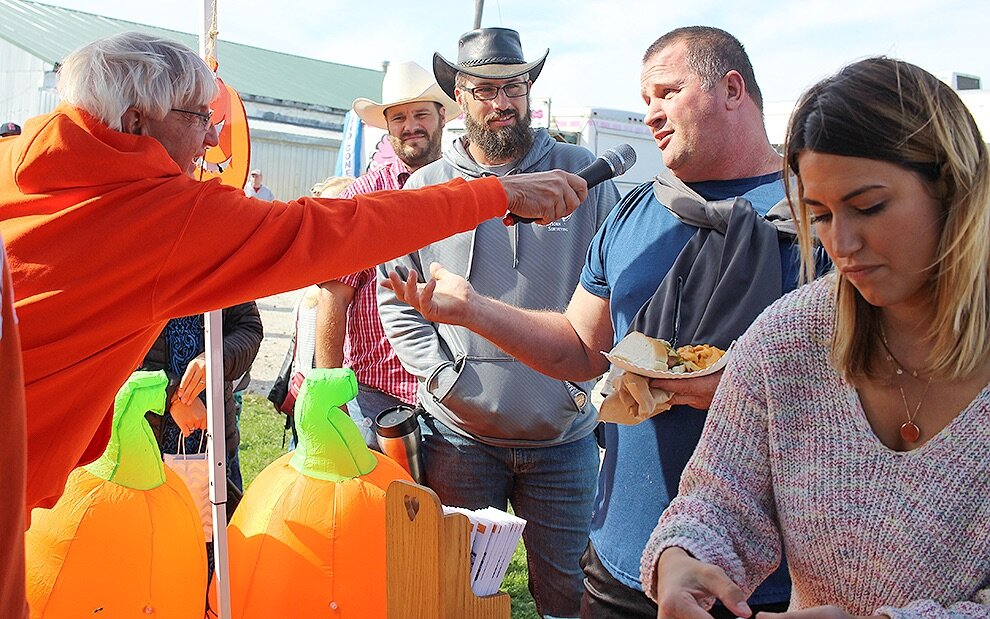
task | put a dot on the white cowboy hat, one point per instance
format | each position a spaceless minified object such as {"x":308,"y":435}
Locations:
{"x":404,"y":82}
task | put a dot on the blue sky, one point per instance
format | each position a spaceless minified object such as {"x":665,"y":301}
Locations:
{"x":595,"y":46}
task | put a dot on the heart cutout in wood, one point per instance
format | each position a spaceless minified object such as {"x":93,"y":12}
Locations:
{"x":412,"y":506}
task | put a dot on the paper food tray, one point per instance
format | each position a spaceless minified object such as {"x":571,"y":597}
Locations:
{"x":621,"y":363}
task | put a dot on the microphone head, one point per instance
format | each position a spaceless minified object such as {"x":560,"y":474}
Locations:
{"x":620,"y":159}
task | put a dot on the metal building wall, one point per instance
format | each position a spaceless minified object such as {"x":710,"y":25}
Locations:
{"x":22,"y":81}
{"x":292,"y":164}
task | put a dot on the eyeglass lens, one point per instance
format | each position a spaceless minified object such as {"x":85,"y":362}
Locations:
{"x":486,"y":93}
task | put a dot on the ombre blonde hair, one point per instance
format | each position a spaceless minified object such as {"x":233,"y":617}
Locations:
{"x":893,"y":111}
{"x":148,"y":73}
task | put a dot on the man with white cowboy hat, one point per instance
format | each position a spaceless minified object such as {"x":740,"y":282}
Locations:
{"x":497,"y":431}
{"x":413,"y":124}
{"x":348,"y":333}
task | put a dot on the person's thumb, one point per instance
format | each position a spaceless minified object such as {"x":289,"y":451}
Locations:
{"x":437,"y":270}
{"x":579,"y":185}
{"x":731,"y":596}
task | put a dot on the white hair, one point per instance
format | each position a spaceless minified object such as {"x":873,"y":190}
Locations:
{"x":148,"y":73}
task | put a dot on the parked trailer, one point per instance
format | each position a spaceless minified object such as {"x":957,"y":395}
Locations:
{"x":599,"y":129}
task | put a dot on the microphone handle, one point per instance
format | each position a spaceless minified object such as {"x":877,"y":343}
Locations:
{"x":598,"y":171}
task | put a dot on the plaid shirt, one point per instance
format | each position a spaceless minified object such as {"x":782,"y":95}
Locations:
{"x":366,"y":349}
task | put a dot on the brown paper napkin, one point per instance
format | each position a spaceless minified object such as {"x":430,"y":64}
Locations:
{"x":631,"y":399}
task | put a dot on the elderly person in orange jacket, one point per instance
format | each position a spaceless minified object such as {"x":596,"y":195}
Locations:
{"x":108,"y":236}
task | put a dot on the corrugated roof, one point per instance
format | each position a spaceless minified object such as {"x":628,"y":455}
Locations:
{"x":51,"y":32}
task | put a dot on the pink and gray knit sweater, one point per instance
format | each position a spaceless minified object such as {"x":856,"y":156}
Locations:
{"x":788,"y":458}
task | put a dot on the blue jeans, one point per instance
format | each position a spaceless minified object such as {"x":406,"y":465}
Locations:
{"x":552,"y":488}
{"x":364,"y":408}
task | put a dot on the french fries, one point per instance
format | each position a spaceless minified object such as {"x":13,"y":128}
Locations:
{"x":699,"y":356}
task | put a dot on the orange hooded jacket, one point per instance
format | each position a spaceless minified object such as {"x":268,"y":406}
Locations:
{"x":107,"y":240}
{"x":13,"y":604}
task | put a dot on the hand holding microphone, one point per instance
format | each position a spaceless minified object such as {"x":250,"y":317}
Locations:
{"x":613,"y":162}
{"x":544,"y":196}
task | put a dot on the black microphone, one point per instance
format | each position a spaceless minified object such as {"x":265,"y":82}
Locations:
{"x":613,"y":162}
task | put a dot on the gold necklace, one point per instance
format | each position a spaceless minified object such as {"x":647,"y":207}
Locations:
{"x":910,"y":431}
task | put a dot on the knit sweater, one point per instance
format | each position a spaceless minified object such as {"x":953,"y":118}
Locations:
{"x":787,"y":457}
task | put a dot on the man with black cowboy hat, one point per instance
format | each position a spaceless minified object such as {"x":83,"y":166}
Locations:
{"x":497,"y":431}
{"x":692,"y":257}
{"x":348,"y":332}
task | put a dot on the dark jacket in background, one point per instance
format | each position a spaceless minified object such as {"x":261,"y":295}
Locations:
{"x":242,"y":335}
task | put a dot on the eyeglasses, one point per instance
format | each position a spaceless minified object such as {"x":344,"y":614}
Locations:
{"x":487,"y":93}
{"x":204,"y":117}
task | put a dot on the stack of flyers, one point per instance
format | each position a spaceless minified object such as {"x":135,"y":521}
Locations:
{"x":494,"y":537}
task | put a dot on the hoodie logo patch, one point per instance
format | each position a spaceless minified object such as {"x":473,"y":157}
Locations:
{"x":560,"y":225}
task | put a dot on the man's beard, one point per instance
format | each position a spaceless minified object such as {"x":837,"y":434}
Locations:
{"x":413,"y":156}
{"x":504,"y":144}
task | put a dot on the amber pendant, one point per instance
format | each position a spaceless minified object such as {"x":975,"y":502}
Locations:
{"x":910,"y":432}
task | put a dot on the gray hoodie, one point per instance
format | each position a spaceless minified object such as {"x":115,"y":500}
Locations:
{"x":465,"y":381}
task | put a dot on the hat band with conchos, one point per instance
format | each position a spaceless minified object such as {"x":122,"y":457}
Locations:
{"x":491,"y":53}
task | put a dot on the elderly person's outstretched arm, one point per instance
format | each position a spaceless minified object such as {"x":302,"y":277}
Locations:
{"x":109,"y":236}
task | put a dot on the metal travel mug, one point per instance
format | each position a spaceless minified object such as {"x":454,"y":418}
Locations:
{"x":400,"y":438}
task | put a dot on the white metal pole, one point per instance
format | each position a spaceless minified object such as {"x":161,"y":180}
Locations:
{"x":217,"y":456}
{"x":479,"y":8}
{"x":216,"y":444}
{"x":205,"y":24}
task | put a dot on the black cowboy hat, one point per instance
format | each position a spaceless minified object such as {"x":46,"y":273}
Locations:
{"x":493,"y":53}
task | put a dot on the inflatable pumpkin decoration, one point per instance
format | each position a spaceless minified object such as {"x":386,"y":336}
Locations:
{"x":125,"y":539}
{"x":229,"y":159}
{"x":308,"y":538}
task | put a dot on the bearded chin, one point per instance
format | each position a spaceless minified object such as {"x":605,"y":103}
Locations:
{"x":415,"y":158}
{"x":503,"y":144}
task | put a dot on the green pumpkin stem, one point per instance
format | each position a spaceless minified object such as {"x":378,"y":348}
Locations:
{"x":132,"y":458}
{"x":330,"y":445}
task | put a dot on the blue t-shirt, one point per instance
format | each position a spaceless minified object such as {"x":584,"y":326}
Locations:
{"x":627,"y":260}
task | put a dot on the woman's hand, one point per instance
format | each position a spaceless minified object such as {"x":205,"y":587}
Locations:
{"x":188,"y":417}
{"x":686,"y":586}
{"x":193,"y":381}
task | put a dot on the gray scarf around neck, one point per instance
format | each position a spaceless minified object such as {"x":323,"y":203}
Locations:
{"x":727,"y":274}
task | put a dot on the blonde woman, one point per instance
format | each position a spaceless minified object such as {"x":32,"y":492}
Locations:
{"x":852,"y":428}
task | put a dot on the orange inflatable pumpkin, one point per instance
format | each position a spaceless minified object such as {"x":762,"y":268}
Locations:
{"x":125,"y":539}
{"x":308,"y":538}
